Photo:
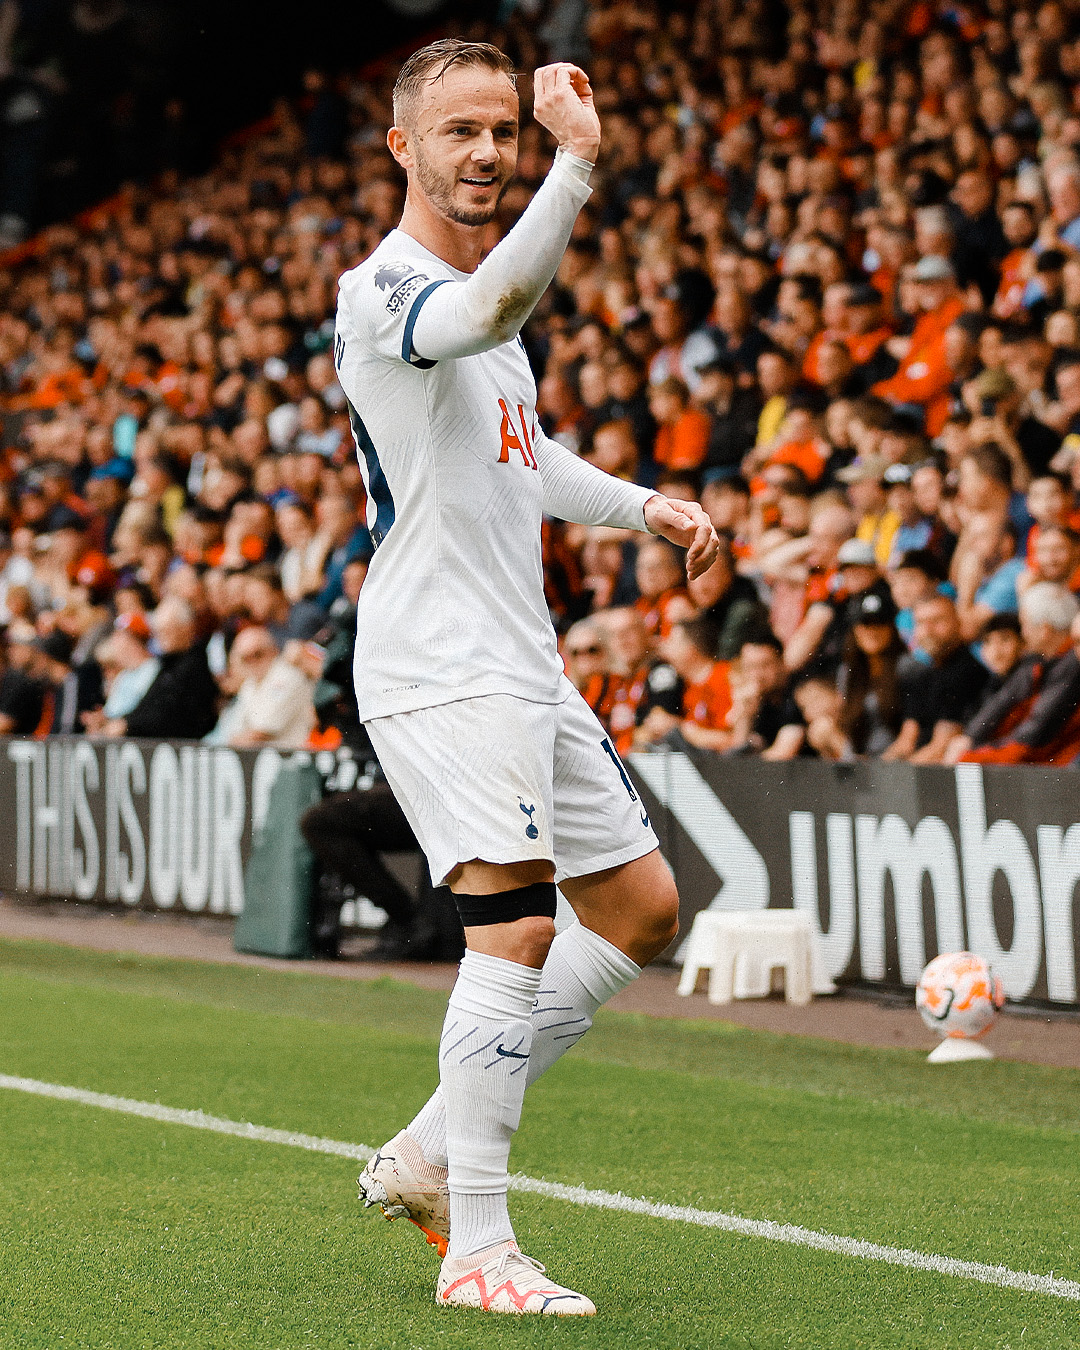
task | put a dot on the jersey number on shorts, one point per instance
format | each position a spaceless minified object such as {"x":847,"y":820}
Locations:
{"x":510,"y":440}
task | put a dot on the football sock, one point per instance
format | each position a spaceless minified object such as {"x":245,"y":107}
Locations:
{"x":483,"y":1059}
{"x":582,"y":971}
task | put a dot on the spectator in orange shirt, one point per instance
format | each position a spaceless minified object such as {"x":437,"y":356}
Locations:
{"x":798,"y":441}
{"x":683,"y":437}
{"x":924,"y":376}
{"x":660,"y":580}
{"x":1018,"y":224}
{"x":688,"y":649}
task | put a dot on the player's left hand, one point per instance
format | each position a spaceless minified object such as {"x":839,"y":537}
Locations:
{"x":687,"y":525}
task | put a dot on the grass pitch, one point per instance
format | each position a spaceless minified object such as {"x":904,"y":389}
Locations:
{"x":122,"y":1232}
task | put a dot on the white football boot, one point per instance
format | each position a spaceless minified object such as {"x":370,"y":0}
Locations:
{"x":503,"y":1279}
{"x":406,"y":1186}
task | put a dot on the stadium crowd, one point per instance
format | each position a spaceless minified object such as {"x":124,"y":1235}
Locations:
{"x":828,"y":284}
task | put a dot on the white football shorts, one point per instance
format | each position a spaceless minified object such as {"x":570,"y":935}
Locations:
{"x":502,"y":779}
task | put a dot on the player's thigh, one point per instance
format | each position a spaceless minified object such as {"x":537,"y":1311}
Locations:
{"x":600,"y":820}
{"x":473,"y":778}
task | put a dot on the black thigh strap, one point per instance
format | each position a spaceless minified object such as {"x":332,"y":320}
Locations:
{"x":524,"y":902}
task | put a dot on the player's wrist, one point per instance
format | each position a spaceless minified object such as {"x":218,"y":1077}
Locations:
{"x":648,"y":507}
{"x":585,"y":150}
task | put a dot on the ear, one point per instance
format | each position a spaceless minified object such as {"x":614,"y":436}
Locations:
{"x":397,"y":142}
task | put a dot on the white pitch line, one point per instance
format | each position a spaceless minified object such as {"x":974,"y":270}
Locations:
{"x":1002,"y":1276}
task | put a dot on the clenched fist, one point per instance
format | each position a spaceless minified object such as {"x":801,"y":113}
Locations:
{"x":563,"y":102}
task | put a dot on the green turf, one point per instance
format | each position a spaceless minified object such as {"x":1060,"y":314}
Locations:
{"x":123,"y":1232}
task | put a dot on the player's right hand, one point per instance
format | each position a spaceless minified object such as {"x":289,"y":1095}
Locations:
{"x":685,"y":524}
{"x":563,"y":102}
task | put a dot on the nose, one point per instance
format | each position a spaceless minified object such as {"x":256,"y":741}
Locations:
{"x":485,"y":151}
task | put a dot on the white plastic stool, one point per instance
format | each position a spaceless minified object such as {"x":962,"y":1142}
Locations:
{"x":741,"y":949}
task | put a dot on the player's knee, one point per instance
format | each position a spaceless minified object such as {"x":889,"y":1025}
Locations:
{"x":525,"y":941}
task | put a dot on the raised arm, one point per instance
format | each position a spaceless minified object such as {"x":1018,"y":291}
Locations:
{"x":463,"y":318}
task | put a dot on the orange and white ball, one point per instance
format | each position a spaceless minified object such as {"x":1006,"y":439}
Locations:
{"x":959,"y":995}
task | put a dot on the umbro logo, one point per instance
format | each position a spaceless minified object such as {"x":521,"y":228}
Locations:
{"x":531,"y":832}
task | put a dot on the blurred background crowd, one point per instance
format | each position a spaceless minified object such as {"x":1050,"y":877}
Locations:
{"x":828,"y":284}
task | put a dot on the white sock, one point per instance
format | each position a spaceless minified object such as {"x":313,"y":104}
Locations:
{"x":483,"y":1059}
{"x":582,"y":971}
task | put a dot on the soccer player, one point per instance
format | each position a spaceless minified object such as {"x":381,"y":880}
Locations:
{"x":506,"y":776}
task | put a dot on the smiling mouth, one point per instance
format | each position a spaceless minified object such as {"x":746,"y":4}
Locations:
{"x":481,"y":182}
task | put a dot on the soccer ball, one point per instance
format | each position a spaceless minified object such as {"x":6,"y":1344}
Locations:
{"x":959,"y":995}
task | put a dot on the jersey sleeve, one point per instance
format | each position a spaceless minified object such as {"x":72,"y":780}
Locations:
{"x":379,"y":308}
{"x":576,"y":490}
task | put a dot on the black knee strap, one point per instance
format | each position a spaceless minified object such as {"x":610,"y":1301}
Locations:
{"x":524,"y":902}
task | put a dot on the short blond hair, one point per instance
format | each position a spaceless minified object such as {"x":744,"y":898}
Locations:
{"x":432,"y":62}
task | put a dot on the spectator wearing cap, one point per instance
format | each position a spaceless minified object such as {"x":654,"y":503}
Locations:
{"x":181,"y":703}
{"x":1046,"y":291}
{"x":923,"y":376}
{"x":867,"y":678}
{"x":1046,"y":614}
{"x":73,"y":556}
{"x":682,"y":438}
{"x":273,"y":702}
{"x":877,"y":524}
{"x":128,"y":667}
{"x":816,"y":645}
{"x":936,"y":698}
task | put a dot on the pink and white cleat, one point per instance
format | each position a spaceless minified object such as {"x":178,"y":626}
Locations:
{"x":503,"y":1279}
{"x":404,"y":1185}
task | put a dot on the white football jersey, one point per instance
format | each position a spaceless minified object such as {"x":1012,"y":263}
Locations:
{"x":453,"y":605}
